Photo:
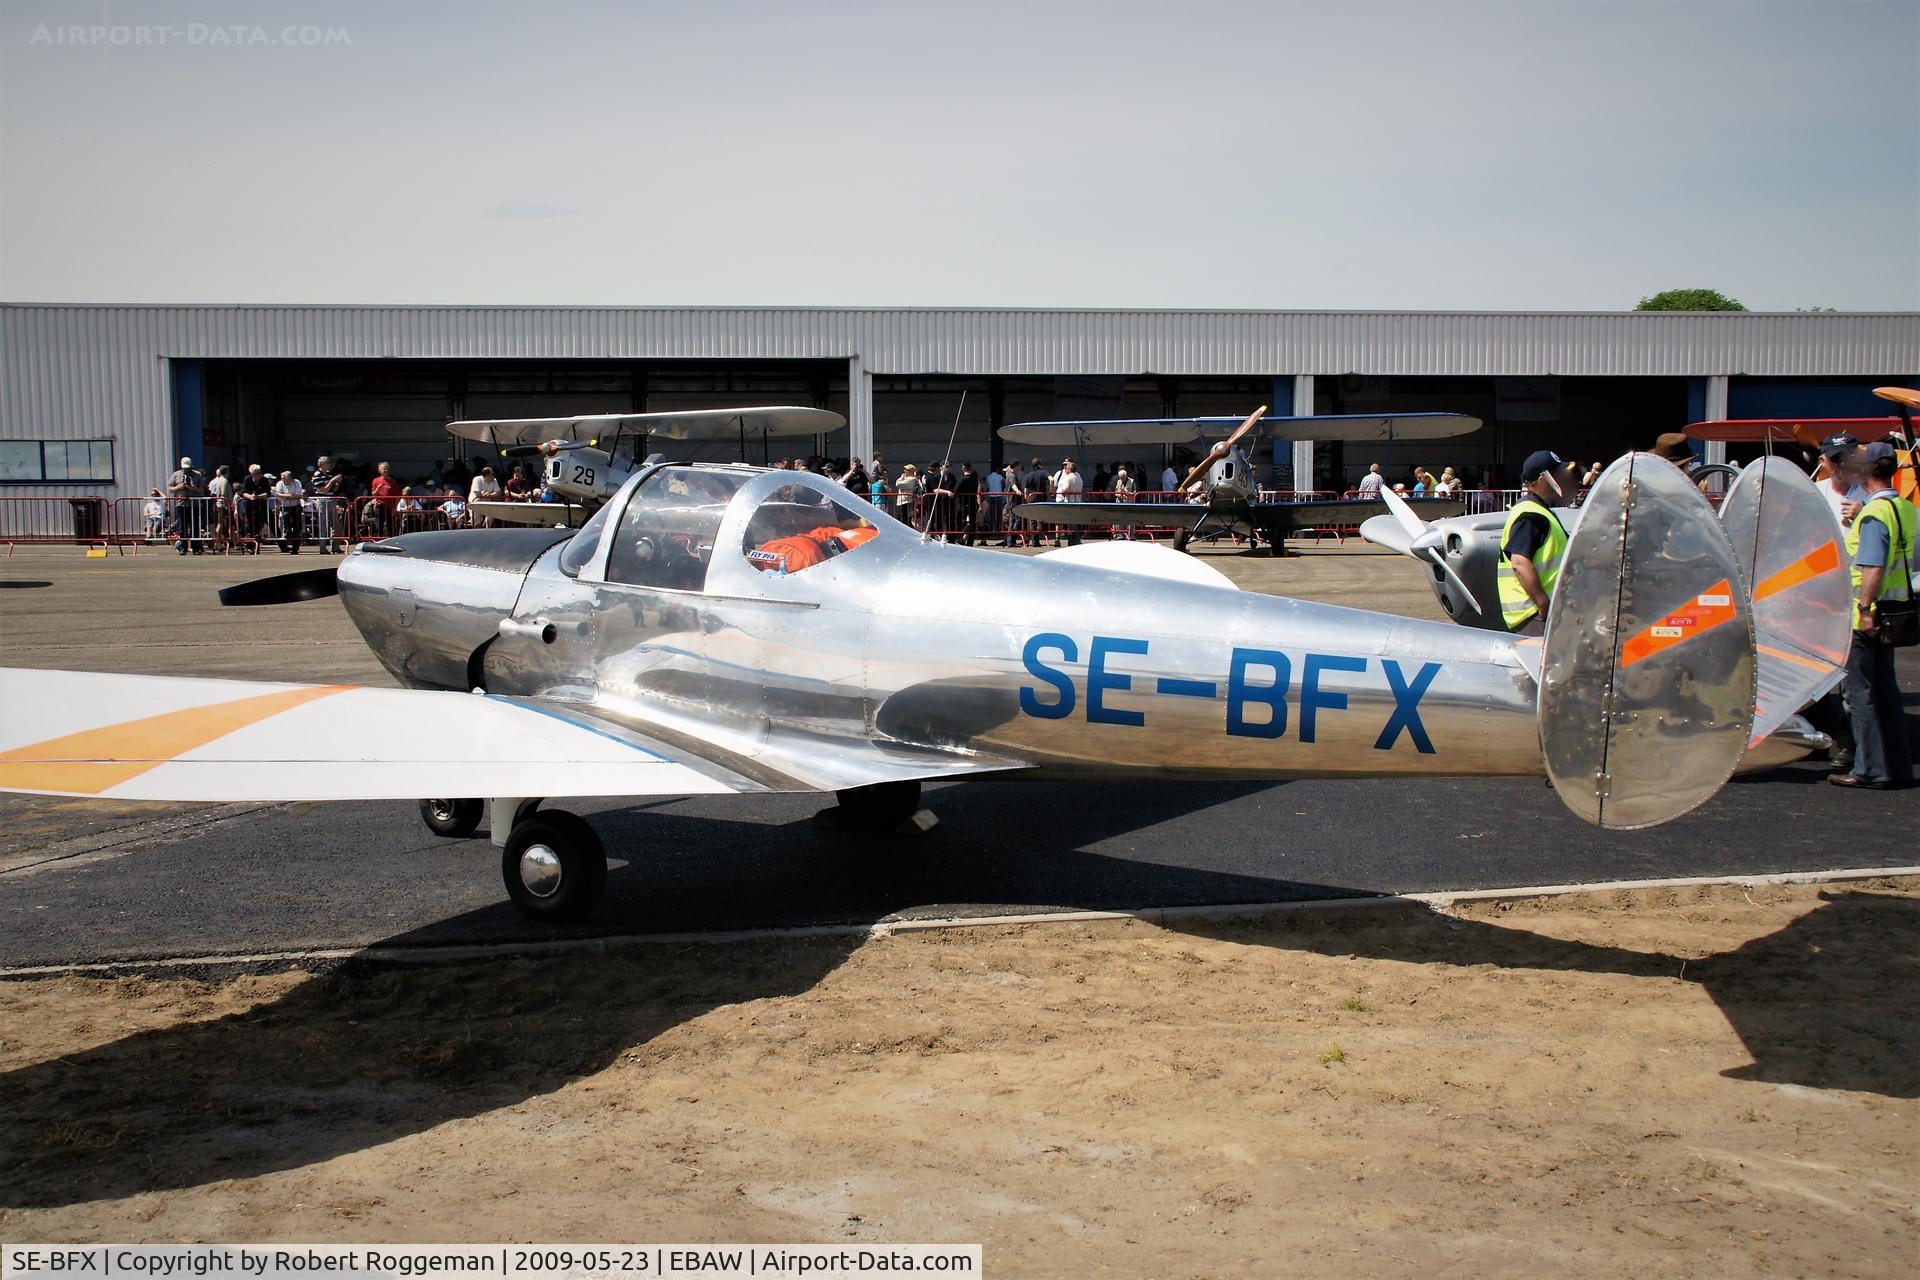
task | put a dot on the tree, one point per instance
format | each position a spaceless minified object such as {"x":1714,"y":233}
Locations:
{"x":1689,"y":300}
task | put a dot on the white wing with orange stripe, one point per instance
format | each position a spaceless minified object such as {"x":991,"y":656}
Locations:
{"x":131,"y":737}
{"x":1788,"y":544}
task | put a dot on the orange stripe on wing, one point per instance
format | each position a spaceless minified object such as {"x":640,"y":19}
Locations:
{"x":1708,"y":610}
{"x":1822,"y":559}
{"x":95,"y":760}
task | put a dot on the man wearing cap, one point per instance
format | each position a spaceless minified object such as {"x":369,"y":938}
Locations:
{"x":1533,"y":546}
{"x":1880,"y":542}
{"x":1835,"y":479}
{"x":184,"y":486}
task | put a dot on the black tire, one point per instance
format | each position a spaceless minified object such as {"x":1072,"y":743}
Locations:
{"x":455,"y":819}
{"x":1180,"y":539}
{"x":577,"y":857}
{"x":880,"y":807}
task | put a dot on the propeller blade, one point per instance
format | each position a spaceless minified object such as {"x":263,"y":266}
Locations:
{"x":1409,"y":518}
{"x":545,"y":448}
{"x":1439,"y":557}
{"x":283,"y":588}
{"x":1221,"y":450}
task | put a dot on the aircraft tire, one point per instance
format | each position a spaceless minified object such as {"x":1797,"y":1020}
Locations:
{"x":455,"y":819}
{"x":554,"y":867}
{"x":880,"y":807}
{"x":1180,"y":539}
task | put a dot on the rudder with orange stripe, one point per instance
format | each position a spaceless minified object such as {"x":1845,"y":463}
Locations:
{"x":1648,"y":666}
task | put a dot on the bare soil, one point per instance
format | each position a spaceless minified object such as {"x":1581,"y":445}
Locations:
{"x":1710,"y":1082}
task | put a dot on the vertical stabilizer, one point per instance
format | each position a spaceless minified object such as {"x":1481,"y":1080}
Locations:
{"x":1788,"y":544}
{"x":1647,"y":674}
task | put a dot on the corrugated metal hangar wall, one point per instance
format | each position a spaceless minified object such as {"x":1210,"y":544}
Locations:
{"x":102,"y":399}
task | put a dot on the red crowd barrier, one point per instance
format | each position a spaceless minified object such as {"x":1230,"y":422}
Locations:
{"x":70,"y":520}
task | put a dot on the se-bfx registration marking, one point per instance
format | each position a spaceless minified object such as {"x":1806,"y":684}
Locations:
{"x":1256,"y":679}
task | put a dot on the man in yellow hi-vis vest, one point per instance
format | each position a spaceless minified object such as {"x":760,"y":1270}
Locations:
{"x":1533,"y":546}
{"x":1880,"y":543}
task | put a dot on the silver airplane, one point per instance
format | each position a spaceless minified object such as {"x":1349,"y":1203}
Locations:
{"x":727,"y":628}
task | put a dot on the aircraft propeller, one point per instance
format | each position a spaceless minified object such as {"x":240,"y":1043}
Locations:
{"x":1221,"y":450}
{"x":283,"y":588}
{"x":545,"y":448}
{"x":1424,"y":540}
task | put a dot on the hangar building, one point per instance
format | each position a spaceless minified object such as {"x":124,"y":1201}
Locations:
{"x":99,"y":401}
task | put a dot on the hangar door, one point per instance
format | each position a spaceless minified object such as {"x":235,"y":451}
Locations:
{"x":366,"y":415}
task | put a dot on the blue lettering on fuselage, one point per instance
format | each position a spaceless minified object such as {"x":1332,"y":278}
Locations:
{"x":1062,"y":706}
{"x":1259,"y":689}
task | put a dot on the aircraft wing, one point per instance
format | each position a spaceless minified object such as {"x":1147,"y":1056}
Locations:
{"x":129,"y":737}
{"x":678,"y":424}
{"x":1808,"y":431}
{"x":1333,"y":426}
{"x":1160,"y":515}
{"x":544,"y":515}
{"x":1372,"y":427}
{"x":1345,"y":511}
{"x":1067,"y":435}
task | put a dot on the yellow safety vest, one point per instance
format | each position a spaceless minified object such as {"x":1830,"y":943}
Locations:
{"x":1515,"y":606}
{"x":1901,"y":519}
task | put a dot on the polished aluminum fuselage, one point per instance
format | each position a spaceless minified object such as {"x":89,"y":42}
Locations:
{"x":1060,"y":667}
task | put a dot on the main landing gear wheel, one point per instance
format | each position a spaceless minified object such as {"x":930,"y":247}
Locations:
{"x":880,"y":807}
{"x":554,"y":867}
{"x":454,"y":818}
{"x":1180,"y":539}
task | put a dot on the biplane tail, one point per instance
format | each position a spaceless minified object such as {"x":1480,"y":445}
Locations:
{"x":1647,"y":682}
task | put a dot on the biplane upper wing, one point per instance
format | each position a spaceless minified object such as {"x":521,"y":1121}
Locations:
{"x":129,"y":737}
{"x":1805,"y":431}
{"x":678,"y":424}
{"x":1327,"y":426}
{"x":1379,"y":428}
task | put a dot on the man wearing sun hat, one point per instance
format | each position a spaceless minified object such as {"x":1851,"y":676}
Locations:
{"x":1533,"y":546}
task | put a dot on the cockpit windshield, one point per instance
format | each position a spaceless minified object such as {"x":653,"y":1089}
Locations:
{"x":667,"y":533}
{"x":580,"y":548}
{"x":798,"y":526}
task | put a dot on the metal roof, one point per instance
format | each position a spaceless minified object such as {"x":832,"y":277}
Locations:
{"x":73,"y":371}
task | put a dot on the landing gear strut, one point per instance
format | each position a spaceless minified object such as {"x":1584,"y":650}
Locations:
{"x":883,"y":806}
{"x":553,"y":864}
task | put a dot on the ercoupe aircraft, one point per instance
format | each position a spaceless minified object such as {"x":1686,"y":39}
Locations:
{"x":1228,"y":501}
{"x":726,"y":628}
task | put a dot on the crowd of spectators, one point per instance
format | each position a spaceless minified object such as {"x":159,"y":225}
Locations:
{"x":328,"y":505}
{"x":338,"y":501}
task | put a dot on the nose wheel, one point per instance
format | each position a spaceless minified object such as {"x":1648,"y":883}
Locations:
{"x":453,"y":818}
{"x":554,"y":867}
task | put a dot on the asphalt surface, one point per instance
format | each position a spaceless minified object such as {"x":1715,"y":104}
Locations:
{"x":86,"y":881}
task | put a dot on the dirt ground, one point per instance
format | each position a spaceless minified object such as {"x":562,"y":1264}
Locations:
{"x":1709,"y":1082}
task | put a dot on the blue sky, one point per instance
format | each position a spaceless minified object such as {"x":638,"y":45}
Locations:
{"x":1274,"y":155}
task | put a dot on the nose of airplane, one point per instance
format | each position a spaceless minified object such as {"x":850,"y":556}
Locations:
{"x":427,"y":602}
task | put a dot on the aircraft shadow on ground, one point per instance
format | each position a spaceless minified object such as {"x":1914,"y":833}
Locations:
{"x":353,"y":1059}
